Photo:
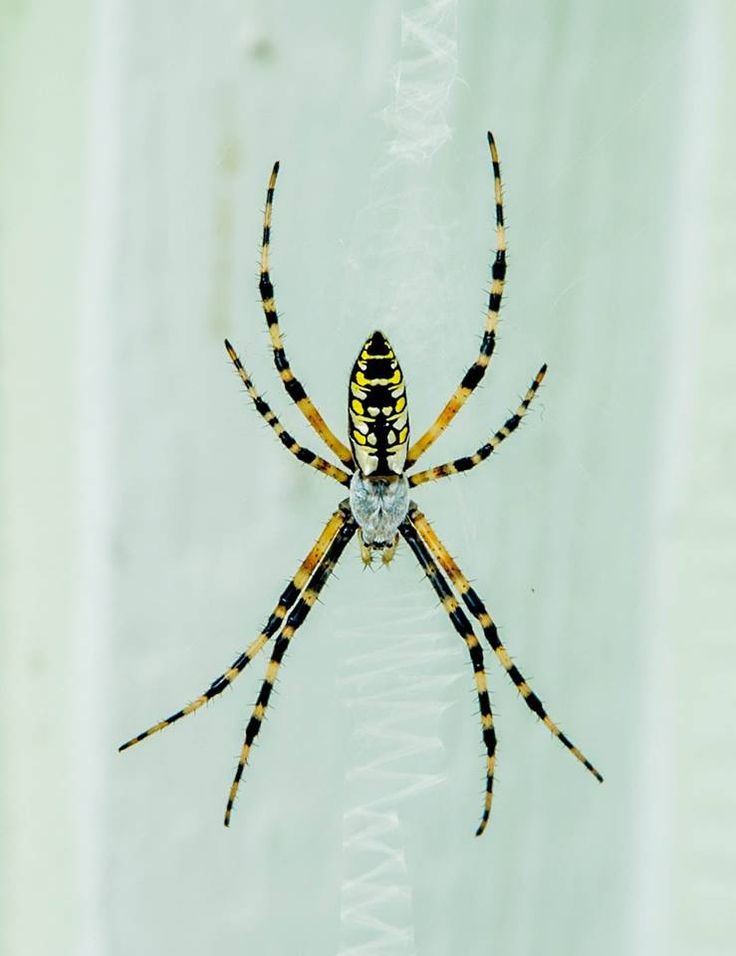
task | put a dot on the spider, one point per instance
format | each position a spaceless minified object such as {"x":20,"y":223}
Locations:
{"x":378,"y":509}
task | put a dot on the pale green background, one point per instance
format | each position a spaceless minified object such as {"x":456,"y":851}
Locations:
{"x":149,"y":520}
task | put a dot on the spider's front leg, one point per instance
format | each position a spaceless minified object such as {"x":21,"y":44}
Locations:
{"x":295,"y":619}
{"x":478,"y":609}
{"x":285,"y":603}
{"x":464,"y":628}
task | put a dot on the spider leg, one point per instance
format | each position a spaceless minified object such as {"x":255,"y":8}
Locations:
{"x":286,"y":602}
{"x":465,"y":464}
{"x":477,"y":370}
{"x":479,"y":611}
{"x":293,"y":386}
{"x":299,"y":612}
{"x":263,"y":408}
{"x":464,"y":628}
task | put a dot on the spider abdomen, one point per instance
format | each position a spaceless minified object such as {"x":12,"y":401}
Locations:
{"x":378,"y":419}
{"x":379,"y":505}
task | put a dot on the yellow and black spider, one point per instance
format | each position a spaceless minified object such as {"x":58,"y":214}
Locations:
{"x":378,"y":507}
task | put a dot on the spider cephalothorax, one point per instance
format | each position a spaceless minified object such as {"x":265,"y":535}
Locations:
{"x":378,"y":508}
{"x":379,"y":505}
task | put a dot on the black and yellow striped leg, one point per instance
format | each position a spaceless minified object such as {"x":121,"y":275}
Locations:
{"x":293,"y":622}
{"x":286,"y":602}
{"x":465,"y":630}
{"x":465,"y":464}
{"x":263,"y":408}
{"x":293,"y":386}
{"x":477,"y":370}
{"x":479,"y":611}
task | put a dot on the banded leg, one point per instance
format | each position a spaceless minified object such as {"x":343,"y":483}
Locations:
{"x":465,"y":464}
{"x":286,"y":602}
{"x":477,"y":370}
{"x":293,"y":622}
{"x":479,"y":611}
{"x":464,"y":628}
{"x":263,"y":408}
{"x":293,"y":386}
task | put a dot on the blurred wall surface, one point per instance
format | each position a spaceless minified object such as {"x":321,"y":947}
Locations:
{"x":149,"y":519}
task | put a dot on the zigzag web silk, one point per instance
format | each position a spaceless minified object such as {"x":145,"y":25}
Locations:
{"x":397,"y":665}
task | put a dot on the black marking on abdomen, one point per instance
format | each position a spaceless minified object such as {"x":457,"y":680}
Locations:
{"x":378,"y":422}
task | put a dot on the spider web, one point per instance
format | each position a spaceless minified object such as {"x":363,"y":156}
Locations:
{"x":396,"y":670}
{"x":401,"y":234}
{"x":396,"y":691}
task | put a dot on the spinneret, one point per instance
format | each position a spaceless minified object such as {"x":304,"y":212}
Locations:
{"x":378,"y":508}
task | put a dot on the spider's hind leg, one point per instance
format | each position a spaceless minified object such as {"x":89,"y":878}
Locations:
{"x":474,"y":374}
{"x":291,"y":383}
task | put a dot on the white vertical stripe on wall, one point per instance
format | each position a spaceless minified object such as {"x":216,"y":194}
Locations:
{"x":96,"y":481}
